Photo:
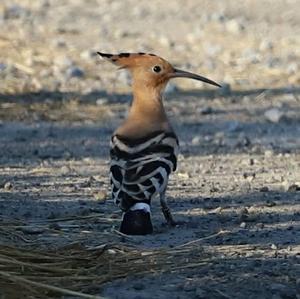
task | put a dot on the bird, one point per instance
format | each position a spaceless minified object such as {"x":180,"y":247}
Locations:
{"x":144,"y":148}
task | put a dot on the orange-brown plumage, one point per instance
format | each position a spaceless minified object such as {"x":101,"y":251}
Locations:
{"x":144,"y":148}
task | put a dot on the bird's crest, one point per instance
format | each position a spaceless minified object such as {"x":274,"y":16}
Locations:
{"x":151,"y":66}
{"x":125,"y":60}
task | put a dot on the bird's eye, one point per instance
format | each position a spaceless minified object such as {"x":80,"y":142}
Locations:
{"x":156,"y":69}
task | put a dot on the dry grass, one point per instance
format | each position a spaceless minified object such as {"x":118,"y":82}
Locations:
{"x":80,"y":272}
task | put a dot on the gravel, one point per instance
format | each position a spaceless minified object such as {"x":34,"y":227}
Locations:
{"x":236,"y":191}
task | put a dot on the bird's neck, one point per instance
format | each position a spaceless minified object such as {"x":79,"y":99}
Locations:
{"x":147,"y":104}
{"x":146,"y":114}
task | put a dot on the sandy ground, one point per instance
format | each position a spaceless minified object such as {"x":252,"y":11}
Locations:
{"x":237,"y":189}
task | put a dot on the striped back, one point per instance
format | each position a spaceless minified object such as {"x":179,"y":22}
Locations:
{"x":140,"y":167}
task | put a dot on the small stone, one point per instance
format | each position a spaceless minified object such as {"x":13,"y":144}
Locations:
{"x":273,"y":115}
{"x":32,"y":230}
{"x":218,"y":16}
{"x":266,"y":45}
{"x":101,"y":101}
{"x":235,"y":26}
{"x":292,"y":68}
{"x":217,"y":210}
{"x":206,"y":110}
{"x":243,"y":225}
{"x":293,"y":188}
{"x":264,"y":189}
{"x":88,"y":54}
{"x":268,"y":153}
{"x":260,"y":225}
{"x":75,"y":72}
{"x":270,"y":203}
{"x":165,"y":41}
{"x":8,"y":186}
{"x":100,"y":196}
{"x":274,"y":247}
{"x":59,"y":43}
{"x":183,"y":175}
{"x":196,"y":140}
{"x":273,"y":62}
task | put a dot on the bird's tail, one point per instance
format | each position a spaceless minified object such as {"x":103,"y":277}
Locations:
{"x":137,"y":220}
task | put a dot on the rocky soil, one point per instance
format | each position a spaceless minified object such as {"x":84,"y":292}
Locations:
{"x":237,"y":189}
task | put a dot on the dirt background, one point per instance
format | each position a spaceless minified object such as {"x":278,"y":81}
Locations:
{"x":237,"y":188}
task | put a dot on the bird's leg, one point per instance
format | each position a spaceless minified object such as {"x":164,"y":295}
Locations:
{"x":165,"y":209}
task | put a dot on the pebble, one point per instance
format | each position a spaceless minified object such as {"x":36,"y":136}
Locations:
{"x":260,"y":225}
{"x":165,"y":41}
{"x":273,"y":115}
{"x":272,"y":62}
{"x":111,"y":251}
{"x":293,"y":188}
{"x":266,"y":45}
{"x":234,"y":26}
{"x":274,"y":247}
{"x":101,"y":101}
{"x":59,"y":43}
{"x":32,"y":230}
{"x":268,"y":153}
{"x":100,"y":196}
{"x":88,"y":54}
{"x":206,"y":110}
{"x":243,"y":225}
{"x":264,"y":189}
{"x":74,"y":72}
{"x":218,"y":16}
{"x":8,"y":186}
{"x":292,"y":68}
{"x":196,"y":140}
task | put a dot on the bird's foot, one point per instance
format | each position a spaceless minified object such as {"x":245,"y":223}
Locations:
{"x":169,"y":217}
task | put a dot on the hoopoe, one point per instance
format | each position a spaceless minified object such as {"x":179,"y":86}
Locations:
{"x":144,"y":148}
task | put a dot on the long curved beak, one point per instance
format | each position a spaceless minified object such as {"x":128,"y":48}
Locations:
{"x":183,"y":74}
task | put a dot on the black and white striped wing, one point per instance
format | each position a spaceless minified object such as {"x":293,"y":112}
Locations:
{"x":140,"y":168}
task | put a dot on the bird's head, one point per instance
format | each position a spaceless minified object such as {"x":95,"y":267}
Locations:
{"x":149,"y":70}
